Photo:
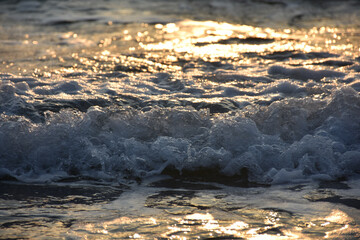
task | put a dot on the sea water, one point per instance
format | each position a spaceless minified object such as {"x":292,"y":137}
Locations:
{"x":180,"y":119}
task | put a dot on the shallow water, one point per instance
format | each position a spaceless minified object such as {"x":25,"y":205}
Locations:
{"x":247,"y":95}
{"x":160,"y":210}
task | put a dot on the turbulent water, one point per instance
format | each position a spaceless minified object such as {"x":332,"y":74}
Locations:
{"x":242,"y":93}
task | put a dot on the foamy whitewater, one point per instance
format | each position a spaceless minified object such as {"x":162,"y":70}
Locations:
{"x":289,"y":140}
{"x":214,"y":102}
{"x":241,"y":93}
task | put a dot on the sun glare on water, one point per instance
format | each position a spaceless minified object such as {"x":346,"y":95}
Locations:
{"x":275,"y":225}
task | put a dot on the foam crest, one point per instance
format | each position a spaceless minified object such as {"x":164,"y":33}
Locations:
{"x":292,"y":140}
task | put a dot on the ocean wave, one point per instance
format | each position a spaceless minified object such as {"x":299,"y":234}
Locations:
{"x":290,"y":140}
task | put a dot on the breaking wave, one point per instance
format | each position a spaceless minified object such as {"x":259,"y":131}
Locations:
{"x":289,"y":140}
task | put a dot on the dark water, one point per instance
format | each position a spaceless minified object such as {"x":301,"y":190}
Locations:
{"x":174,"y":119}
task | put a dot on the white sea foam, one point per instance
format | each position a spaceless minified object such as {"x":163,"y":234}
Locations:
{"x":319,"y":137}
{"x":294,"y":139}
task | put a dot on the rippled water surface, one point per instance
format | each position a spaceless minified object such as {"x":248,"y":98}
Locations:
{"x":249,"y":109}
{"x":194,"y":211}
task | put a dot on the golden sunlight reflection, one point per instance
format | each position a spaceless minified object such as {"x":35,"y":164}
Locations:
{"x":179,"y":48}
{"x":259,"y":224}
{"x":185,"y":46}
{"x":214,"y":40}
{"x":338,"y":216}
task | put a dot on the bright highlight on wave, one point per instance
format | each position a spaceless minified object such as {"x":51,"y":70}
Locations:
{"x":199,"y":225}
